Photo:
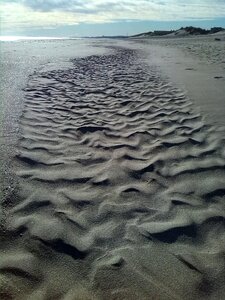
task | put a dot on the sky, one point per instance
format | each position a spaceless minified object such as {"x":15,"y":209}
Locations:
{"x":106,"y":17}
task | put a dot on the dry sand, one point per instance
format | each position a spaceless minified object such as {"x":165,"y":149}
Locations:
{"x":197,"y":66}
{"x":121,"y":188}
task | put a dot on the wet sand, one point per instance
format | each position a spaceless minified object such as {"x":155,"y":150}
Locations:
{"x":120,"y":189}
{"x":19,"y":60}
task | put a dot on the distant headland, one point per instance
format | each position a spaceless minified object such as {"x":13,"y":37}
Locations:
{"x":183,"y":31}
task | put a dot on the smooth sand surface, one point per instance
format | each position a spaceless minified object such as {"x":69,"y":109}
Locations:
{"x":121,"y":187}
{"x":197,"y":66}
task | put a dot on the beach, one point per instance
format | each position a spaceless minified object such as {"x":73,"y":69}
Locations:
{"x":113,"y":170}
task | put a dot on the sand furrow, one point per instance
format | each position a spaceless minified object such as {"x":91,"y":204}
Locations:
{"x":119,"y":181}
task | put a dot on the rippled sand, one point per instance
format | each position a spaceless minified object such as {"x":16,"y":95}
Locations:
{"x":121,"y":189}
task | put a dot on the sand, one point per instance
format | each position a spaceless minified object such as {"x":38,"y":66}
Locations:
{"x":121,"y":186}
{"x":197,"y":66}
{"x":19,"y":59}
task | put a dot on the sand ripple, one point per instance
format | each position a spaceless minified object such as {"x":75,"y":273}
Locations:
{"x":121,"y":189}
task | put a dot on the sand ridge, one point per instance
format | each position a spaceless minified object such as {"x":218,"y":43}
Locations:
{"x":121,"y":189}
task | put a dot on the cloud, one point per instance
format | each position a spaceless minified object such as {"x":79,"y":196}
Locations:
{"x":49,"y":5}
{"x":28,"y":13}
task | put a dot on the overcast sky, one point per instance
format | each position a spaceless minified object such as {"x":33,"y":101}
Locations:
{"x":105,"y":17}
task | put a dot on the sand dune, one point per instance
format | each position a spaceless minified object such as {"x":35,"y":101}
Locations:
{"x":121,"y":189}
